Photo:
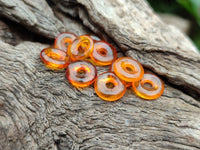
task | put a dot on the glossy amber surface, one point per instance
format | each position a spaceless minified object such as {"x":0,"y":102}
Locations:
{"x":81,"y":48}
{"x":149,"y":87}
{"x":81,"y":73}
{"x":128,"y":69}
{"x":109,"y":87}
{"x":103,"y":54}
{"x":54,"y":59}
{"x":63,"y":40}
{"x":111,"y":69}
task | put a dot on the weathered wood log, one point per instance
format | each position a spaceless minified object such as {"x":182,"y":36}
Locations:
{"x":40,"y":109}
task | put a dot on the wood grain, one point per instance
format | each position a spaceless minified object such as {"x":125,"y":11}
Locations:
{"x":40,"y":109}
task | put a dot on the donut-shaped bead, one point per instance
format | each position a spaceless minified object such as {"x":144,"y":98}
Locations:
{"x":81,"y":73}
{"x":81,"y":48}
{"x":111,"y":69}
{"x":103,"y":53}
{"x":109,"y":87}
{"x":54,"y":59}
{"x":128,"y":69}
{"x":63,"y":40}
{"x":149,"y":87}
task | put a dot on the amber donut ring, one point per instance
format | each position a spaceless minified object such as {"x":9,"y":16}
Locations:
{"x":103,"y":54}
{"x":109,"y":87}
{"x":128,"y":69}
{"x":81,"y":73}
{"x":149,"y":87}
{"x":80,"y":48}
{"x":63,"y":40}
{"x":54,"y":59}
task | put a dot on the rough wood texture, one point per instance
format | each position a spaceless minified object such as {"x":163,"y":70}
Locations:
{"x":39,"y":109}
{"x":141,"y":34}
{"x":181,"y":23}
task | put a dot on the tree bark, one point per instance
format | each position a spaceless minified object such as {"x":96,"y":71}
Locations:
{"x":40,"y":109}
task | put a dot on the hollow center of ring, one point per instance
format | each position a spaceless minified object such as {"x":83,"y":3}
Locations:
{"x":81,"y":72}
{"x":81,"y":50}
{"x":110,"y":85}
{"x":148,"y":85}
{"x":84,"y":46}
{"x":102,"y":51}
{"x":130,"y":69}
{"x":67,"y":42}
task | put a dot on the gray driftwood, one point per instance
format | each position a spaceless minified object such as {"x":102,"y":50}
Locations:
{"x":39,"y":109}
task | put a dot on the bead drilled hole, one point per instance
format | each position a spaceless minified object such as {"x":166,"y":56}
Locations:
{"x":84,"y":46}
{"x":81,"y":50}
{"x":130,"y":69}
{"x":110,"y":85}
{"x":81,"y":72}
{"x":148,"y":85}
{"x":102,"y":52}
{"x":56,"y":55}
{"x":66,"y":44}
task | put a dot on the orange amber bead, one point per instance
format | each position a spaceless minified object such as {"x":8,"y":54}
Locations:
{"x":53,"y":58}
{"x":103,"y":54}
{"x":111,"y":69}
{"x":80,"y":48}
{"x":81,"y":73}
{"x":149,"y":87}
{"x":109,"y":87}
{"x":63,"y":40}
{"x":128,"y":69}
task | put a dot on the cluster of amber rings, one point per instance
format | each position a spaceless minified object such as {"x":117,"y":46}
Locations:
{"x":80,"y":56}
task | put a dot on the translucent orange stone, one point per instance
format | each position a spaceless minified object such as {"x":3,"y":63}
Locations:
{"x":149,"y":87}
{"x":128,"y":69}
{"x":54,"y":59}
{"x":80,"y":48}
{"x":111,"y":69}
{"x":63,"y":40}
{"x":81,"y":73}
{"x":109,"y":87}
{"x":103,"y":54}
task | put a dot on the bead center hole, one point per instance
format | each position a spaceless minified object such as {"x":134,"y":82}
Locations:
{"x":83,"y":47}
{"x":148,"y":85}
{"x":110,"y":85}
{"x":130,"y":68}
{"x":67,"y":42}
{"x":81,"y":72}
{"x":81,"y":50}
{"x":102,"y":51}
{"x":56,"y":55}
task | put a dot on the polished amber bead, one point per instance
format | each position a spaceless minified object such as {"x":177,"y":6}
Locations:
{"x":81,"y":48}
{"x":109,"y":87}
{"x":81,"y":73}
{"x":63,"y":40}
{"x":111,"y":69}
{"x":103,"y":54}
{"x":149,"y":87}
{"x":54,"y":59}
{"x":128,"y":69}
